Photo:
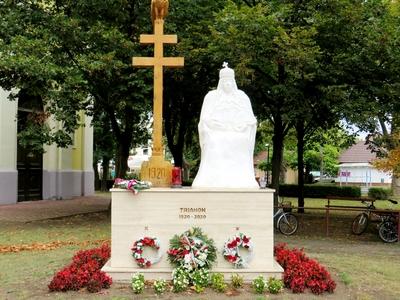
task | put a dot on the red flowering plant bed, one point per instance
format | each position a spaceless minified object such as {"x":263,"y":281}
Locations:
{"x":84,"y":271}
{"x":302,"y":272}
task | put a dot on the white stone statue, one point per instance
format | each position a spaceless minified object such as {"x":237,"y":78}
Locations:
{"x":227,"y":131}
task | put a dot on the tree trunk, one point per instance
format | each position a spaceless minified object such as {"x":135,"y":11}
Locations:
{"x":175,"y":130}
{"x":300,"y":164}
{"x":396,"y":185}
{"x":121,"y":163}
{"x":96,"y":176}
{"x":277,"y":156}
{"x":176,"y":149}
{"x":105,"y":164}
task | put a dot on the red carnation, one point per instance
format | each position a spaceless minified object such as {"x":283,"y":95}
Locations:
{"x":246,"y":239}
{"x":231,"y":258}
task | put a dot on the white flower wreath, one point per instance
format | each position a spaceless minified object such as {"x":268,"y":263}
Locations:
{"x":137,"y":251}
{"x":232,"y":247}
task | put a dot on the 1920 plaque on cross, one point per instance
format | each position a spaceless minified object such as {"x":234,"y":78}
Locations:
{"x":157,"y":171}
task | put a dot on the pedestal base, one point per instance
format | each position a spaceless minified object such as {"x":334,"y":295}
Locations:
{"x":220,"y":213}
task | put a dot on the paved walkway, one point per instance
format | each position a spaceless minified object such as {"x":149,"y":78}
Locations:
{"x":49,"y":209}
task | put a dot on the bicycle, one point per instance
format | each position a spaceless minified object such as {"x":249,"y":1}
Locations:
{"x":287,"y":223}
{"x":387,"y":227}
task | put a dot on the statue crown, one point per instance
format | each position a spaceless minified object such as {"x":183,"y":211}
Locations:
{"x":226,"y":72}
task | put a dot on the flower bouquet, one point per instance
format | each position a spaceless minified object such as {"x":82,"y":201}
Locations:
{"x":131,"y":184}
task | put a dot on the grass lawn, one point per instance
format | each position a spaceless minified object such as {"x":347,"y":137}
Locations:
{"x":317,"y":202}
{"x":363,"y":266}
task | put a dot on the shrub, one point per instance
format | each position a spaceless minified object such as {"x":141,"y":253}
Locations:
{"x":218,"y":282}
{"x":84,"y":271}
{"x":200,"y":279}
{"x":301,"y":272}
{"x":187,"y":182}
{"x":319,"y":191}
{"x":237,"y":281}
{"x":180,"y":279}
{"x":259,"y":285}
{"x":274,"y":285}
{"x":160,"y":286}
{"x":138,"y":283}
{"x":379,"y":193}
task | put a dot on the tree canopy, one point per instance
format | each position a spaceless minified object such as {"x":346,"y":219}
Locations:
{"x":306,"y":65}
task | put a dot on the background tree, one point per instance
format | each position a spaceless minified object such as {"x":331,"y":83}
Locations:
{"x":185,"y":89}
{"x":373,"y":66}
{"x":255,"y":37}
{"x":76,"y":56}
{"x":283,"y":62}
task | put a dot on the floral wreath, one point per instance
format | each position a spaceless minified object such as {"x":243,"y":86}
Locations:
{"x":134,"y":185}
{"x":192,"y":250}
{"x":231,"y":250}
{"x":137,"y":251}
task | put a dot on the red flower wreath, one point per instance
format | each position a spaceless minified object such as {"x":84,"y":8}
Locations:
{"x":137,"y":251}
{"x":231,"y":250}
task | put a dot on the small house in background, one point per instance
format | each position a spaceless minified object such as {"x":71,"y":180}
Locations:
{"x":355,"y":168}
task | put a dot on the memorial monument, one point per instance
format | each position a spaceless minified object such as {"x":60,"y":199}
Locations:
{"x":225,"y":201}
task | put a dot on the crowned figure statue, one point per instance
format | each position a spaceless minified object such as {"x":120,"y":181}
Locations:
{"x":227,"y":131}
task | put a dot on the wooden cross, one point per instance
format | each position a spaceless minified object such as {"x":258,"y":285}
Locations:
{"x":158,"y":62}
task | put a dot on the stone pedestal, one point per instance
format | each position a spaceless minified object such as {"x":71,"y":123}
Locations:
{"x":164,"y":212}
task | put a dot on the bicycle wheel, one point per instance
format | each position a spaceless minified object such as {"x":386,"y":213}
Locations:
{"x":287,"y":224}
{"x":360,"y":224}
{"x":388,"y":232}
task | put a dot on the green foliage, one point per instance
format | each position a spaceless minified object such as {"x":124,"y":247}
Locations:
{"x":218,"y":282}
{"x":259,"y":285}
{"x":379,"y":193}
{"x":131,"y":176}
{"x":265,"y":131}
{"x":180,"y":279}
{"x":187,"y":182}
{"x":287,"y":62}
{"x":160,"y":286}
{"x":275,"y":285}
{"x":321,"y":147}
{"x":75,"y":57}
{"x":200,"y":279}
{"x":206,"y":252}
{"x":237,"y":281}
{"x":185,"y":88}
{"x":345,"y":278}
{"x":137,"y":283}
{"x":319,"y":191}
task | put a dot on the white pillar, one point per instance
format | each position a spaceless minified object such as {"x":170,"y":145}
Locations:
{"x":59,"y":180}
{"x":8,"y":149}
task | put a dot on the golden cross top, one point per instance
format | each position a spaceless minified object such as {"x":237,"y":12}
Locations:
{"x":158,"y":39}
{"x":158,"y":62}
